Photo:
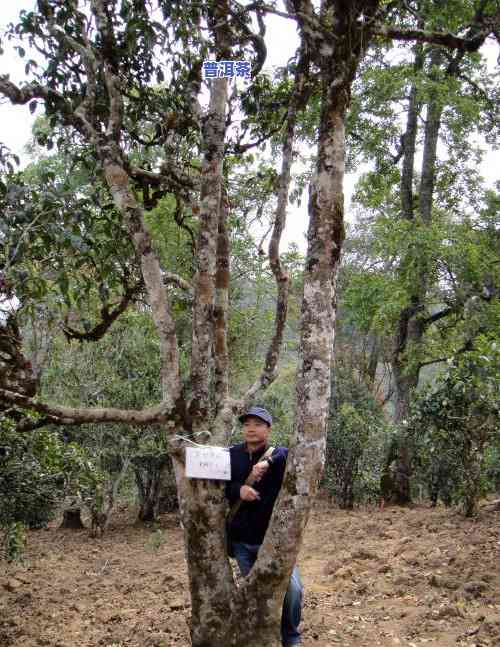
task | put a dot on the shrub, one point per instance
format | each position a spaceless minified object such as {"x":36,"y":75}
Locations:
{"x":31,"y":476}
{"x":455,"y":427}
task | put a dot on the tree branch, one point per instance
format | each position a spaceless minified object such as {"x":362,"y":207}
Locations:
{"x":118,"y":182}
{"x":479,"y":30}
{"x":298,"y":100}
{"x":105,"y":29}
{"x":257,"y":41}
{"x":68,"y":415}
{"x":439,"y":315}
{"x":243,"y":148}
{"x":86,"y":109}
{"x":22,"y":96}
{"x":214,"y":131}
{"x":108,"y":318}
{"x":432,"y":361}
{"x":267,"y":9}
{"x":169,"y":278}
{"x":409,"y":141}
{"x":172,"y":177}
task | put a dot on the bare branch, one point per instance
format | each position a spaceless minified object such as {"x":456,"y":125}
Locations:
{"x":21,"y":96}
{"x":213,"y":133}
{"x":298,"y":99}
{"x":105,"y":28}
{"x":28,"y":424}
{"x":69,"y":415}
{"x":257,"y":41}
{"x":168,"y":176}
{"x":203,"y":311}
{"x":431,"y":135}
{"x":409,"y":141}
{"x":243,"y":148}
{"x":118,"y":182}
{"x":86,"y":109}
{"x":438,"y":360}
{"x":267,"y":9}
{"x":305,"y":15}
{"x":107,"y":318}
{"x":439,"y":315}
{"x":180,"y":220}
{"x":478,"y":32}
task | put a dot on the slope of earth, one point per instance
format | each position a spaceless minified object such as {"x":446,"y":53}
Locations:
{"x":405,"y":577}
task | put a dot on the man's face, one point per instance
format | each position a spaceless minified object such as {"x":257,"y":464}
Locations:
{"x":255,"y":430}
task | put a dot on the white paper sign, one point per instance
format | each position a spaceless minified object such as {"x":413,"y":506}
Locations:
{"x":208,"y":463}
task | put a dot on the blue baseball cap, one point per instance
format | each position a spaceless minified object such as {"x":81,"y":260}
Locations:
{"x":258,"y":412}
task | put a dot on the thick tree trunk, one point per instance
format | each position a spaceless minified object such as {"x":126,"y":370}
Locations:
{"x":147,"y":510}
{"x":16,"y":373}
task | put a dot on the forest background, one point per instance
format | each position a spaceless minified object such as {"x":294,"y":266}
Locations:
{"x":414,"y":404}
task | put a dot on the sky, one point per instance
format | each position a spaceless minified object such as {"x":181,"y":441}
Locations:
{"x":281,"y":41}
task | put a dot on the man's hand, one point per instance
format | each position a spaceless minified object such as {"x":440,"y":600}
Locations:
{"x":259,"y":469}
{"x":247,"y":493}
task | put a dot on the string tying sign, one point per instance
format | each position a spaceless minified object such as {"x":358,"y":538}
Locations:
{"x":208,"y":463}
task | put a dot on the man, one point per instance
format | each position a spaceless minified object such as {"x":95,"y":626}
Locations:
{"x":249,"y":524}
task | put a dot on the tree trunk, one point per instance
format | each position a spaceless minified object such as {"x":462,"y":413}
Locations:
{"x":72,"y":519}
{"x":410,"y":326}
{"x":147,"y":510}
{"x":167,"y":498}
{"x":149,"y":474}
{"x":222,"y":613}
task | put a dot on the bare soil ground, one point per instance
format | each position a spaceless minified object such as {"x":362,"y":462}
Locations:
{"x":405,"y":577}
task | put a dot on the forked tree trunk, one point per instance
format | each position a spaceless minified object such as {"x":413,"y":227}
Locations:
{"x":224,"y":615}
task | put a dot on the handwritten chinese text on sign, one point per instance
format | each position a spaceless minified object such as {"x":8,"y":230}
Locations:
{"x":208,"y":463}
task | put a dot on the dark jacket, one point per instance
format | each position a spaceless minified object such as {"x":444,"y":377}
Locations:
{"x":250,"y":523}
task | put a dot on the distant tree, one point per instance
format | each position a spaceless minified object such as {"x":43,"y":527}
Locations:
{"x":416,"y":288}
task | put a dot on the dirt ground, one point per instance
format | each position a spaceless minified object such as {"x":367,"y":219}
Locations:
{"x":398,"y":577}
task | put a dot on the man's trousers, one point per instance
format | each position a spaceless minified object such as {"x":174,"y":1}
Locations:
{"x":245,"y":555}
